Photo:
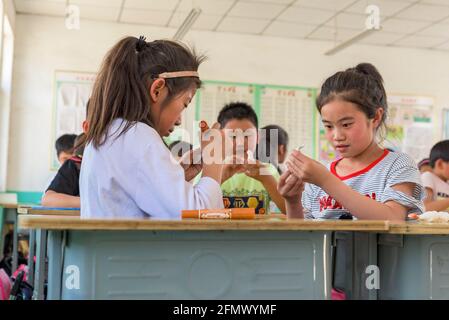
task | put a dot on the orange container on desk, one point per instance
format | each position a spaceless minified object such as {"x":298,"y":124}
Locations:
{"x":232,"y":214}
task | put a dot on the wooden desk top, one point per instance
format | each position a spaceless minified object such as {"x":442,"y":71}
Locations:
{"x":9,"y":205}
{"x":49,"y":212}
{"x":419,"y":228}
{"x":262,"y":223}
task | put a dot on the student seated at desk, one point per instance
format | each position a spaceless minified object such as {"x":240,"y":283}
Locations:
{"x":138,"y":98}
{"x":435,"y":181}
{"x":246,"y":184}
{"x":277,"y":149}
{"x":367,"y":182}
{"x":64,"y":147}
{"x":63,"y":191}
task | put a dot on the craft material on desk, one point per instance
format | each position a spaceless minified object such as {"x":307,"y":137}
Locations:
{"x":434,"y":217}
{"x":234,"y":213}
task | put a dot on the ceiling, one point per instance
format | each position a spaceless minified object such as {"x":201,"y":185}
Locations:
{"x":406,"y":23}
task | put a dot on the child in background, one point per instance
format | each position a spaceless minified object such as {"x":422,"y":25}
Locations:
{"x":63,"y":191}
{"x":367,"y":182}
{"x":64,"y":147}
{"x":138,"y":98}
{"x":276,"y":150}
{"x":243,"y":184}
{"x":424,"y":165}
{"x":435,"y":181}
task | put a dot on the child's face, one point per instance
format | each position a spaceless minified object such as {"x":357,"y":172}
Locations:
{"x":243,"y":135}
{"x":347,"y":128}
{"x":442,"y":169}
{"x":64,"y":156}
{"x":167,"y":117}
{"x":282,"y":153}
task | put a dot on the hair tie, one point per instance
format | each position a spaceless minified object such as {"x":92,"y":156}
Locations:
{"x":141,"y":44}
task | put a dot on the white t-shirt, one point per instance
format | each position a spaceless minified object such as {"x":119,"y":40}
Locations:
{"x":135,"y":176}
{"x":439,"y":187}
{"x":375,"y":181}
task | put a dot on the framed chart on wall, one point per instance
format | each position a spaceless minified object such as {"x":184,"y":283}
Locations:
{"x":71,"y":92}
{"x":445,"y":123}
{"x":292,"y":108}
{"x":410,"y":125}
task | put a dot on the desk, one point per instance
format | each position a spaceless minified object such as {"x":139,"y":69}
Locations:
{"x":414,"y":261}
{"x":266,"y":258}
{"x":38,"y":210}
{"x":9,"y":215}
{"x":25,"y":209}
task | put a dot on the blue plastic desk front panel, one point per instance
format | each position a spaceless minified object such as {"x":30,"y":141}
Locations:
{"x":414,"y":266}
{"x":190,"y":265}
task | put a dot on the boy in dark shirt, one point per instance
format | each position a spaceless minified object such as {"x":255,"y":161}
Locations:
{"x":64,"y":189}
{"x":64,"y":147}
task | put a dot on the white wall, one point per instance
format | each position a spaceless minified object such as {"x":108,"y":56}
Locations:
{"x":43,"y":45}
{"x":7,"y":21}
{"x":10,"y":11}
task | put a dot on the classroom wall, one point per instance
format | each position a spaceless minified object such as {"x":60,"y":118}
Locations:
{"x":5,"y":92}
{"x":10,"y":11}
{"x":43,"y":45}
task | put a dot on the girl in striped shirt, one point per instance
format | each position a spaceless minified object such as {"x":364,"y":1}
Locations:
{"x":367,"y":181}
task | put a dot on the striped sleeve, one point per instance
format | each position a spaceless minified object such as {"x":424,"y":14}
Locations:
{"x":404,"y":170}
{"x":308,"y":195}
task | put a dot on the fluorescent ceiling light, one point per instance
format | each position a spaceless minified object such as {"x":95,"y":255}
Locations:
{"x":350,"y":41}
{"x":187,"y":24}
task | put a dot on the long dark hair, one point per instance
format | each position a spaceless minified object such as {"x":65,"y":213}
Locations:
{"x":121,"y":89}
{"x":362,"y":85}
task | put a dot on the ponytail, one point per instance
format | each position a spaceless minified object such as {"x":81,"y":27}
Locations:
{"x":121,"y":89}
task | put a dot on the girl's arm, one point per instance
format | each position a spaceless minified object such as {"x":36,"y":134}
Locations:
{"x":60,"y":200}
{"x":359,"y":205}
{"x":435,"y":205}
{"x":268,"y":181}
{"x":364,"y":207}
{"x":270,"y":184}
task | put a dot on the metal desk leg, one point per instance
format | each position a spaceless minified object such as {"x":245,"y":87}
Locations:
{"x":41,"y":242}
{"x":364,"y":255}
{"x":55,"y":264}
{"x":15,"y":245}
{"x":31,"y":256}
{"x":373,"y":260}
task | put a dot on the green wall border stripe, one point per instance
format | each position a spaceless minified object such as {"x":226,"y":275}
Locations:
{"x":33,"y":197}
{"x":257,"y":102}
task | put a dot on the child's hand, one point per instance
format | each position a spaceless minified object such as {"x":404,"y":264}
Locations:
{"x":191,"y":164}
{"x":213,"y":145}
{"x":290,"y":187}
{"x":241,"y":165}
{"x":233,"y":165}
{"x":306,"y":169}
{"x":253,"y":170}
